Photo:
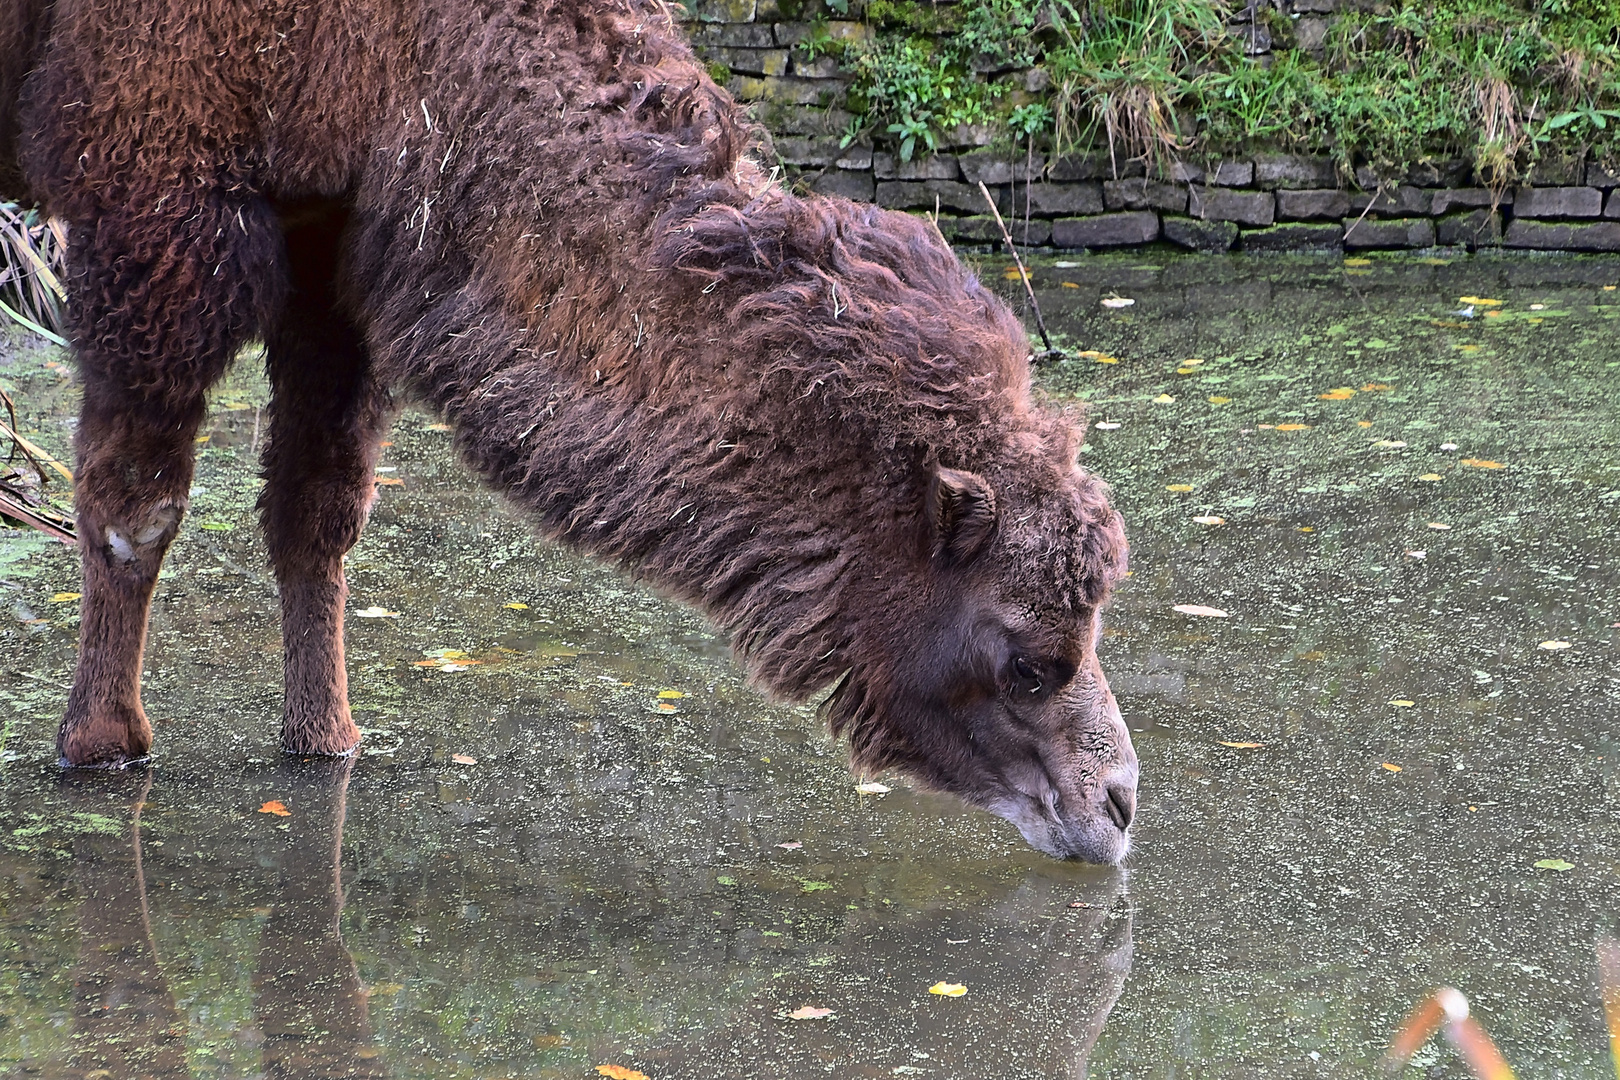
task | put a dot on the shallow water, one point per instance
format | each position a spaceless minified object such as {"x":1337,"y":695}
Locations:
{"x":542,"y":865}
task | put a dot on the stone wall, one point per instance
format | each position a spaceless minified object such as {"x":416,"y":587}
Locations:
{"x":1255,"y":202}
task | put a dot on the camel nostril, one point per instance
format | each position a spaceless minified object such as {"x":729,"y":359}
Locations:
{"x":1121,"y":805}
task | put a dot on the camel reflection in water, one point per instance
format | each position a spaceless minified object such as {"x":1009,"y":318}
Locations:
{"x":1046,"y":961}
{"x":308,"y":1001}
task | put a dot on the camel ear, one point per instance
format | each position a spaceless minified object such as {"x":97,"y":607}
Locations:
{"x":961,"y":514}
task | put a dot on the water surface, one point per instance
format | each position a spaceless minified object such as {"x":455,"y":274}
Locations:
{"x":547,"y":861}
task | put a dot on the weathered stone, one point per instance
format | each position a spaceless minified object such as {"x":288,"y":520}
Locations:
{"x":921,"y":195}
{"x":1404,"y":201}
{"x":802,"y":119}
{"x":1449,"y":199}
{"x":1477,"y":228}
{"x":1611,"y":208}
{"x":1293,"y":171}
{"x":1084,"y":197}
{"x":1299,"y":237}
{"x":1452,"y":172}
{"x":984,"y":230}
{"x":930,"y":167}
{"x":722,"y":11}
{"x":1186,"y":172}
{"x":967,"y":136}
{"x":1315,"y":7}
{"x":785,"y":89}
{"x":855,"y":156}
{"x":1243,"y":207}
{"x":1206,"y":236}
{"x":813,"y":151}
{"x":1598,"y":176}
{"x":791,"y":33}
{"x":1310,"y":34}
{"x":1325,"y":204}
{"x":1400,"y":233}
{"x":1095,"y":165}
{"x":1562,"y":236}
{"x":708,"y":36}
{"x":1557,"y":202}
{"x":1140,"y":193}
{"x":845,"y":182}
{"x":1256,"y":37}
{"x":1556,"y":172}
{"x":994,"y":168}
{"x":822,"y":67}
{"x":752,"y":61}
{"x":1232,"y":174}
{"x":1106,"y":230}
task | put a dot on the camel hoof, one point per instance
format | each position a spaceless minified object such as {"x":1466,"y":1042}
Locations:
{"x":105,"y":766}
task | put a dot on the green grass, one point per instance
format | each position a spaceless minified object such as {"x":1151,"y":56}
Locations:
{"x":1501,"y":83}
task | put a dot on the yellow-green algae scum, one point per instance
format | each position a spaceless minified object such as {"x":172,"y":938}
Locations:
{"x":551,"y":862}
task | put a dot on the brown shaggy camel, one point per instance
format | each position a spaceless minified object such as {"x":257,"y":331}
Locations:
{"x":803,"y":416}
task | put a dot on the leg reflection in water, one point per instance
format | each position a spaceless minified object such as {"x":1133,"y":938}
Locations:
{"x":125,"y":1024}
{"x":307,"y":994}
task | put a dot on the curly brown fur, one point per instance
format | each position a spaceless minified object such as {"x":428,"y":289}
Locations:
{"x":804,"y":416}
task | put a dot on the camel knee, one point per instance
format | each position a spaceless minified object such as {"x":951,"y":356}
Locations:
{"x":138,"y":539}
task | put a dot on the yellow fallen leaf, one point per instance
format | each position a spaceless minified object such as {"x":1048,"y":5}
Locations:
{"x":64,"y":597}
{"x":1070,"y":285}
{"x":1117,"y":302}
{"x":1242,"y":745}
{"x":1293,"y":427}
{"x":376,"y":613}
{"x":946,"y":989}
{"x":619,"y":1072}
{"x":1610,"y":288}
{"x":1090,"y":354}
{"x":1431,"y":477}
{"x":1107,"y":359}
{"x":1012,"y":274}
{"x":1339,"y":393}
{"x":1390,"y":767}
{"x":670,"y":695}
{"x":1178,"y":487}
{"x":1314,"y":654}
{"x":518,"y":605}
{"x":463,"y":759}
{"x":1442,"y":526}
{"x":1403,"y":703}
{"x":1480,"y":300}
{"x":1481,"y":463}
{"x":1209,"y":519}
{"x":1358,"y":262}
{"x":1186,"y":371}
{"x":1307,"y":528}
{"x":1373,"y":387}
{"x":666,"y":706}
{"x":1554,"y":646}
{"x":1468,"y":348}
{"x":1200,"y":609}
{"x":1192,"y":361}
{"x":1216,"y":399}
{"x":1363,"y":423}
{"x":872,"y":787}
{"x":809,"y":1012}
{"x":234,"y":406}
{"x":275,"y":807}
{"x":1163,"y":399}
{"x":388,"y":481}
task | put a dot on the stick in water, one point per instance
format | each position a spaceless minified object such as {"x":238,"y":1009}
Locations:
{"x":1040,"y":324}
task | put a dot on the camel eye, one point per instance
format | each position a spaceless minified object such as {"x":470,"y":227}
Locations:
{"x":1028,"y":675}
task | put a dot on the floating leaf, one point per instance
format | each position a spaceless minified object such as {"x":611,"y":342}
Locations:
{"x":1440,"y":525}
{"x":1106,"y":425}
{"x":806,"y":885}
{"x":1293,"y":427}
{"x":463,"y":759}
{"x":1391,"y":767}
{"x":1390,"y":444}
{"x":217,"y":526}
{"x":872,"y":787}
{"x":1186,"y":371}
{"x":1374,"y":387}
{"x":1242,"y":745}
{"x":1210,"y":519}
{"x":1553,"y":864}
{"x":435,"y":427}
{"x":1481,"y":463}
{"x":1358,"y":262}
{"x":1363,"y":423}
{"x":1163,"y":399}
{"x":619,"y":1072}
{"x":724,"y":879}
{"x":1070,"y":284}
{"x":1448,"y":446}
{"x":670,"y":695}
{"x":1314,"y":654}
{"x":1480,"y":300}
{"x":1107,"y":359}
{"x":1338,"y":393}
{"x":376,"y":613}
{"x":667,"y":706}
{"x":1553,"y":646}
{"x":1200,"y":609}
{"x":64,"y":597}
{"x":234,"y":406}
{"x":1431,"y":477}
{"x":276,"y":807}
{"x":1012,"y":273}
{"x":1117,"y":302}
{"x":1178,"y":487}
{"x":1216,"y":399}
{"x":1403,"y":703}
{"x":517,"y":605}
{"x":791,"y":845}
{"x":388,"y":481}
{"x":809,"y":1012}
{"x":948,"y":989}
